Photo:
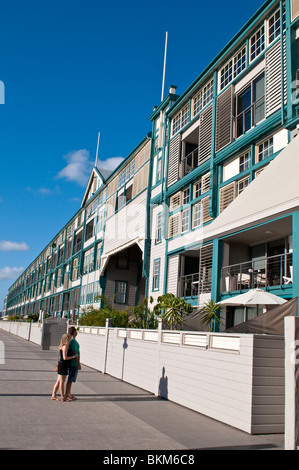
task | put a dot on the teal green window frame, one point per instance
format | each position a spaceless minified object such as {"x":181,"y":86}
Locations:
{"x":156,"y":277}
{"x":158,"y":229}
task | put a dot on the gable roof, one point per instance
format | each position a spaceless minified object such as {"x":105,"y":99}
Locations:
{"x":95,"y":173}
{"x":274,"y":193}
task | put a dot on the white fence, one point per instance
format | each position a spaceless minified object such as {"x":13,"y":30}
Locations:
{"x":237,"y":379}
{"x":29,"y":331}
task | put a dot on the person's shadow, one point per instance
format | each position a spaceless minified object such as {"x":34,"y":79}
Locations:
{"x":163,"y":385}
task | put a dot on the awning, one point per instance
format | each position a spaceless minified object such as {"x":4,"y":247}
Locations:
{"x":275,"y":192}
{"x":106,"y":256}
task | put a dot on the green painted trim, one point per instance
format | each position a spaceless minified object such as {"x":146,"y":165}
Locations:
{"x":295,"y":227}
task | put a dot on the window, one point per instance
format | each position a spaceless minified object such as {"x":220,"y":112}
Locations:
{"x":88,"y":261}
{"x":83,"y":295}
{"x":89,"y":293}
{"x":265,"y":149}
{"x":89,"y":230}
{"x":185,"y":220}
{"x":176,"y":124}
{"x":129,"y":193}
{"x":186,"y":196}
{"x":197,"y":215}
{"x":158,"y":234}
{"x":201,"y":186}
{"x":75,"y":271}
{"x":257,"y":43}
{"x":98,"y":256}
{"x":202,"y":98}
{"x":250,"y":106}
{"x":244,"y":162}
{"x":233,"y":68}
{"x":242,"y":184}
{"x":156,"y":274}
{"x":159,"y":170}
{"x":101,"y":221}
{"x":120,"y":292}
{"x":180,"y":119}
{"x":201,"y":213}
{"x":274,"y":26}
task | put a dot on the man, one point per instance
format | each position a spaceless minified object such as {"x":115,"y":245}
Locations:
{"x":74,"y":363}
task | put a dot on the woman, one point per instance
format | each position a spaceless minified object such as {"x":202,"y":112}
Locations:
{"x":65,"y":355}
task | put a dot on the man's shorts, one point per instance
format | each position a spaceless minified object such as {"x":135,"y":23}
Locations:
{"x":73,"y":372}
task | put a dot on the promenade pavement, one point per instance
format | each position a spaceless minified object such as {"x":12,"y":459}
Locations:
{"x":108,"y":415}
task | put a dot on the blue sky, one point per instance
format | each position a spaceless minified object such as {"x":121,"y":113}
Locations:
{"x":72,"y":69}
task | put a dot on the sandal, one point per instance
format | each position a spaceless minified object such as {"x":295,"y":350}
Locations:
{"x":55,"y":398}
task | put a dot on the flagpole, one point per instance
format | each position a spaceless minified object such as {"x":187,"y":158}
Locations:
{"x":164,"y":67}
{"x":96,"y":162}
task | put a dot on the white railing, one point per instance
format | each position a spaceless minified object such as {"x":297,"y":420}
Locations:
{"x":211,"y":341}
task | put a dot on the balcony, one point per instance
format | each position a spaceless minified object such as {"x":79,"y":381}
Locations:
{"x":192,"y":161}
{"x":262,"y":273}
{"x":189,"y":285}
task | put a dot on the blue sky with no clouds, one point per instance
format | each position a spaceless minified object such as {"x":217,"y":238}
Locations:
{"x":72,"y":69}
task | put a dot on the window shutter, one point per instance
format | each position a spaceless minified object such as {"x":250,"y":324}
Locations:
{"x":175,"y":201}
{"x":205,"y":268}
{"x":224,"y":118}
{"x":205,"y":183}
{"x":174,"y":158}
{"x":174,"y":225}
{"x":273,"y":78}
{"x":205,"y":210}
{"x":227,"y":195}
{"x":172,"y":274}
{"x":205,"y":135}
{"x":294,"y":9}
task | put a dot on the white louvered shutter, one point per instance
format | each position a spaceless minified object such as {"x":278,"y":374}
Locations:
{"x":174,"y":159}
{"x":273,"y":78}
{"x":205,"y":135}
{"x":172,"y":274}
{"x":205,"y":210}
{"x":227,"y":195}
{"x":205,"y":268}
{"x":224,"y":118}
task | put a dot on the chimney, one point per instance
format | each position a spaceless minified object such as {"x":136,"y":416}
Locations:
{"x":172,"y":89}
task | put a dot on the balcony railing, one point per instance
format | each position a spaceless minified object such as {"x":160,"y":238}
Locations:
{"x":192,"y":285}
{"x":189,"y":285}
{"x":192,"y":161}
{"x":262,"y":272}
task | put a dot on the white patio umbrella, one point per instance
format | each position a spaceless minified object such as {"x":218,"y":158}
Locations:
{"x":254,"y":297}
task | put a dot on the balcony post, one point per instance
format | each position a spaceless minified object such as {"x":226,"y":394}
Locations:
{"x":295,"y":222}
{"x":216,"y":269}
